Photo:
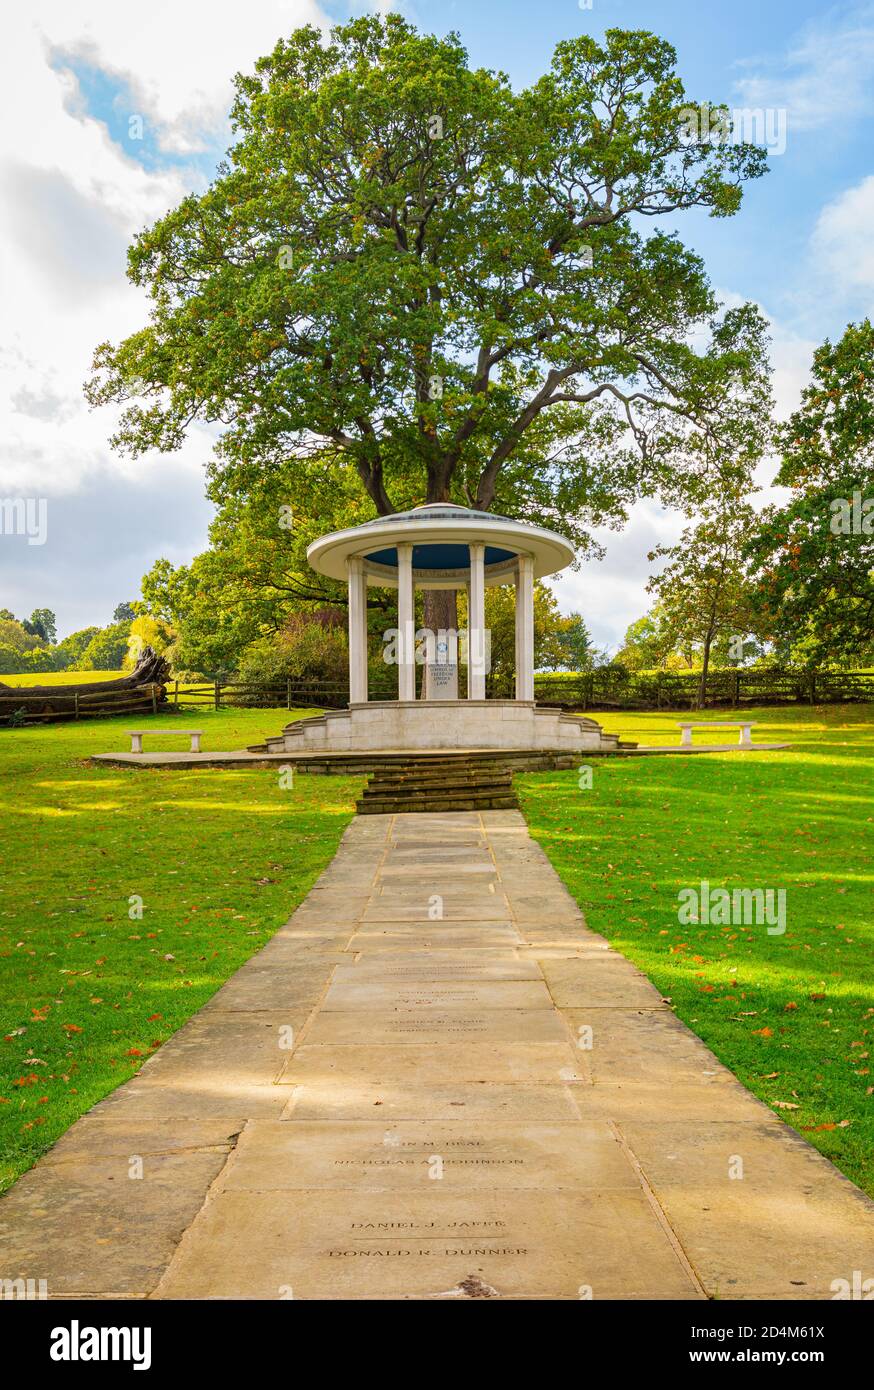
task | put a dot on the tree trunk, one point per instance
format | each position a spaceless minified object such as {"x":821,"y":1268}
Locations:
{"x":441,"y":611}
{"x":702,"y":689}
{"x":151,"y":669}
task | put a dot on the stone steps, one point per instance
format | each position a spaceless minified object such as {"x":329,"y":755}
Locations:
{"x":409,"y":785}
{"x":448,"y":725}
{"x":422,"y":805}
{"x":418,"y":785}
{"x":441,"y":763}
{"x":456,"y":787}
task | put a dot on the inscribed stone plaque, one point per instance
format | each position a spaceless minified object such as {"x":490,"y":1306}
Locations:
{"x":441,"y":681}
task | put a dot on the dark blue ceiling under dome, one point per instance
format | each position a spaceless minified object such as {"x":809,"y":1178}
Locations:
{"x":438,"y":556}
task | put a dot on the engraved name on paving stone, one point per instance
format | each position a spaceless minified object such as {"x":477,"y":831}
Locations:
{"x":449,"y":1238}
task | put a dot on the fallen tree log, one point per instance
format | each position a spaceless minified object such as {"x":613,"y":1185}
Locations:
{"x":143,"y":691}
{"x":151,"y":669}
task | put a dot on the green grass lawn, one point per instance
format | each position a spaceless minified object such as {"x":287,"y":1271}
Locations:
{"x":220,"y":859}
{"x":791,"y":1014}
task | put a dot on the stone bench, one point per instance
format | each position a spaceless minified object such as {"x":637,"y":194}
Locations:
{"x":743,"y":724}
{"x":137,"y":736}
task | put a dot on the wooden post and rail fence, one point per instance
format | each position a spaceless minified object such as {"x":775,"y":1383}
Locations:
{"x":602,"y":689}
{"x":606,"y":688}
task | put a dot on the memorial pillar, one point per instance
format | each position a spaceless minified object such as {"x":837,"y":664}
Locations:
{"x":406,"y":625}
{"x":525,"y":628}
{"x":476,"y":624}
{"x":357,"y":582}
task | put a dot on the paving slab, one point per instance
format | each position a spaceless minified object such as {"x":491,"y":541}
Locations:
{"x":378,"y":935}
{"x":386,"y":911}
{"x":757,"y":1187}
{"x":642,"y":1047}
{"x":598,"y":981}
{"x":399,"y":1026}
{"x":338,"y":1098}
{"x":438,"y":995}
{"x":432,"y":966}
{"x":90,"y":1229}
{"x":433,"y":1245}
{"x":428,"y":1065}
{"x":412,"y":1155}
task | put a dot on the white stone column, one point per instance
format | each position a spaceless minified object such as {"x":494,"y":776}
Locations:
{"x":357,"y":582}
{"x":524,"y":628}
{"x":406,"y":625}
{"x":476,"y":623}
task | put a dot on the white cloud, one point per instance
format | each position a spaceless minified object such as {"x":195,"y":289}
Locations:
{"x":824,"y":77}
{"x":843,"y":246}
{"x":611,"y":593}
{"x":791,"y":358}
{"x":70,"y":202}
{"x":176,"y":59}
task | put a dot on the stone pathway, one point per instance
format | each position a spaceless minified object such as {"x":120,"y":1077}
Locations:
{"x":384,"y":1103}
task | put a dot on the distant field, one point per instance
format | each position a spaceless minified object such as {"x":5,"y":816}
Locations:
{"x":59,"y":677}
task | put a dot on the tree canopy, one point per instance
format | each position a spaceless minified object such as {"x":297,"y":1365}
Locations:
{"x":813,"y":557}
{"x":449,"y":289}
{"x":704,"y":595}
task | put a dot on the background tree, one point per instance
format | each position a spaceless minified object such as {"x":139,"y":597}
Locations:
{"x":70,"y":650}
{"x":44,"y":624}
{"x":254,"y":575}
{"x":107,"y":649}
{"x":704,"y":591}
{"x":311,"y":647}
{"x":19,"y":636}
{"x":408,"y":270}
{"x":558,"y":641}
{"x":124,"y":613}
{"x":577,"y":652}
{"x":814,"y":556}
{"x":652,"y":643}
{"x":143,"y":632}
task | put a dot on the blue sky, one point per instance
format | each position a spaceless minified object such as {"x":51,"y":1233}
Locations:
{"x":77,"y":186}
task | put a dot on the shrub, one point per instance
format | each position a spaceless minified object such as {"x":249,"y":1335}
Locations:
{"x":307,"y":649}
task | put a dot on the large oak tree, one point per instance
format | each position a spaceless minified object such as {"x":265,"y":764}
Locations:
{"x":452,"y":289}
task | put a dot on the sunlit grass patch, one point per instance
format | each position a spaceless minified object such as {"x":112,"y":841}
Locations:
{"x":219,"y":858}
{"x":791,"y":1014}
